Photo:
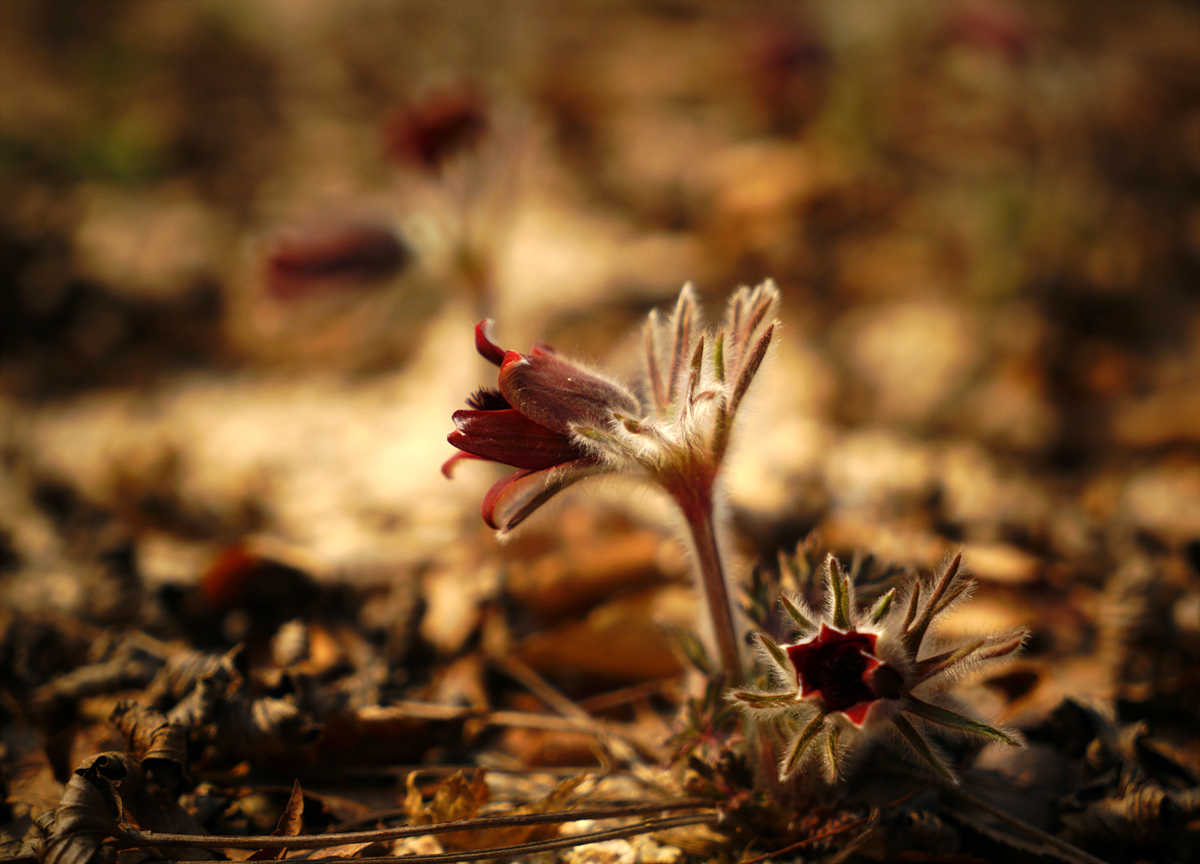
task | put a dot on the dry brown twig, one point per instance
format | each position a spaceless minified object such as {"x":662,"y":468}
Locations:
{"x":319,"y":841}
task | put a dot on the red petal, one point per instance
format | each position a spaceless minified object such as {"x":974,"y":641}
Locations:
{"x":836,"y":665}
{"x":508,"y":437}
{"x":513,"y":499}
{"x":858,"y":713}
{"x":557,"y":393}
{"x":487,"y":349}
{"x":450,"y":464}
{"x":332,"y":258}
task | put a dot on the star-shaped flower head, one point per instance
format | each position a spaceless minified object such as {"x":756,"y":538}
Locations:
{"x":856,"y":672}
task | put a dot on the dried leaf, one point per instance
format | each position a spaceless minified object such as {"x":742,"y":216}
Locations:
{"x":150,"y":808}
{"x":159,"y":745}
{"x":456,"y":798}
{"x":558,"y":798}
{"x":185,"y":670}
{"x":89,"y":814}
{"x":263,"y":727}
{"x":130,"y":666}
{"x":291,"y":823}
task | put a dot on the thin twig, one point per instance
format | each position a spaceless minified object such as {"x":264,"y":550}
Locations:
{"x":824,"y":835}
{"x":661,"y":687}
{"x":873,"y":816}
{"x":229,"y":778}
{"x":320,"y":841}
{"x":517,"y":719}
{"x":618,"y":746}
{"x":526,"y":676}
{"x":1070,"y":850}
{"x":535,"y":846}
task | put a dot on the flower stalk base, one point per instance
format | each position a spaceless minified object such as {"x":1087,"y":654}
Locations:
{"x":716,"y":589}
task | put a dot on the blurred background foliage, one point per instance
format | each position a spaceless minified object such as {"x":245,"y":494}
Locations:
{"x":242,"y":246}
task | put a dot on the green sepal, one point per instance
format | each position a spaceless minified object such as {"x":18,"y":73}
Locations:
{"x":798,"y":617}
{"x":802,"y":742}
{"x":957,"y":722}
{"x":923,"y":749}
{"x":763,"y":699}
{"x":882,"y":606}
{"x":777,"y":653}
{"x":833,"y":754}
{"x":931,"y":666}
{"x":839,"y":586}
{"x":946,"y":586}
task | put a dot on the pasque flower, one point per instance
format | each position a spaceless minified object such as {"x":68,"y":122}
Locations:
{"x":530,"y":422}
{"x":877,"y":671}
{"x":558,"y":422}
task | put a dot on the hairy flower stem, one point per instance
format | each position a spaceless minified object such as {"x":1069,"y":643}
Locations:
{"x":697,"y":510}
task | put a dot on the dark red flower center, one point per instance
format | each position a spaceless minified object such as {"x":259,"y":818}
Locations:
{"x":837,"y":666}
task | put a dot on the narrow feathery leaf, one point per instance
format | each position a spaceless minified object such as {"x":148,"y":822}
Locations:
{"x":914,"y":636}
{"x":839,"y":593}
{"x":957,"y":722}
{"x":1003,"y":645}
{"x":748,"y":308}
{"x":698,"y":356}
{"x":948,"y":599}
{"x":611,"y":442}
{"x":802,"y":742}
{"x":939,"y":663}
{"x":791,"y":564}
{"x":763,"y":699}
{"x":689,"y":647}
{"x":736,"y":306}
{"x":798,"y":618}
{"x":750,"y":369}
{"x":718,"y":358}
{"x":882,"y":606}
{"x":773,"y":649}
{"x":761,"y":306}
{"x":694,"y":377}
{"x":971,"y":655}
{"x":682,"y":322}
{"x":722,"y":427}
{"x":923,"y":749}
{"x":833,"y":754}
{"x":657,"y":392}
{"x":914,"y":600}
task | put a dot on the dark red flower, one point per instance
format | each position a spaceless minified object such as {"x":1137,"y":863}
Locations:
{"x":839,"y":666}
{"x":529,"y":423}
{"x":331,"y":258}
{"x":428,"y":134}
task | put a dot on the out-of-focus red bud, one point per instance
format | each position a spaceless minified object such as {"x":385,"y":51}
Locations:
{"x":333,"y":258}
{"x":241,"y":578}
{"x":994,"y":25}
{"x":427,"y":134}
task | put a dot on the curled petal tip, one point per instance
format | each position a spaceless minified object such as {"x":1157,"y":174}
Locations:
{"x":487,"y":349}
{"x":511,"y":358}
{"x":450,"y":464}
